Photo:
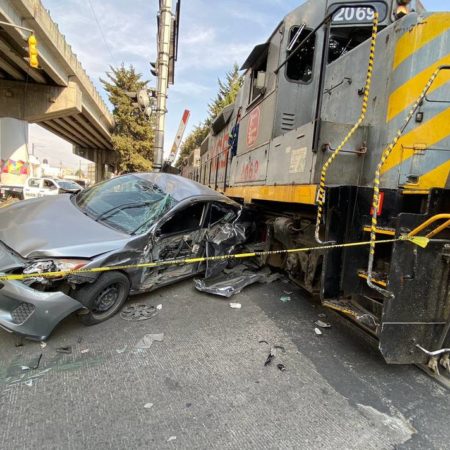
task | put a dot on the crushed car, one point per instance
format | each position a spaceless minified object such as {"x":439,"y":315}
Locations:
{"x":128,"y":220}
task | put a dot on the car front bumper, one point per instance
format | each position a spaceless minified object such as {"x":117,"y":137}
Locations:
{"x":31,"y":313}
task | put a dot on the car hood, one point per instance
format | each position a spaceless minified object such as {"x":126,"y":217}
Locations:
{"x":54,"y":226}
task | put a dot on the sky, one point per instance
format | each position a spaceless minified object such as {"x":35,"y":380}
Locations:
{"x":214,"y":34}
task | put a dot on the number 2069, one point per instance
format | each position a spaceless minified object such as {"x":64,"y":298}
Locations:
{"x":361,"y":14}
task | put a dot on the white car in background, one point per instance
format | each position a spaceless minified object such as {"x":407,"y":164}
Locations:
{"x":40,"y":187}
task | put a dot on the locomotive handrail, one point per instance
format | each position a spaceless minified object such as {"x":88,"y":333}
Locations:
{"x":326,"y":20}
{"x":430,"y":221}
{"x":376,"y":182}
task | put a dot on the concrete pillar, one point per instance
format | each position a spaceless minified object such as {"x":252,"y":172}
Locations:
{"x":14,"y":152}
{"x":99,"y":159}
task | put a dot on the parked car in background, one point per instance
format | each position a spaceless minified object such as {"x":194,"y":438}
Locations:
{"x":127,"y":220}
{"x":40,"y":187}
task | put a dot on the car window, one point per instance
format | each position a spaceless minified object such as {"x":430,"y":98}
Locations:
{"x":48,"y":184}
{"x":67,"y":184}
{"x":188,"y":219}
{"x":219,"y":212}
{"x":128,"y":203}
{"x":33,"y":182}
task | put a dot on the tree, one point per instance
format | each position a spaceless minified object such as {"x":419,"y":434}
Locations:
{"x":133,"y":134}
{"x":228,"y":91}
{"x":79,"y":173}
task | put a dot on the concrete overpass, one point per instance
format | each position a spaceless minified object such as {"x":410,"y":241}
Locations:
{"x":58,"y":95}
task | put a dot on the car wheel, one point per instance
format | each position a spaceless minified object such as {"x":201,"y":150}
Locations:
{"x":104,"y":298}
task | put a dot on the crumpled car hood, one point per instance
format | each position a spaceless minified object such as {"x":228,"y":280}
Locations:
{"x":54,"y":226}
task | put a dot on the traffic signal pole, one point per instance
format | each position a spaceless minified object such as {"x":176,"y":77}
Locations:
{"x":165,"y":31}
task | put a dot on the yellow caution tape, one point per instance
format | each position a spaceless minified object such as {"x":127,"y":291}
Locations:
{"x":417,"y":240}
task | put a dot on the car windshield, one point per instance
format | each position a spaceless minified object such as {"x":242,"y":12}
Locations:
{"x":68,"y":184}
{"x":128,"y":203}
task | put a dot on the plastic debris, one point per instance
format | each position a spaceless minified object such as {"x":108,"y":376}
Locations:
{"x":285,"y":298}
{"x":67,"y":350}
{"x":29,"y":383}
{"x":288,"y":292}
{"x":138,"y":312}
{"x":322,"y":324}
{"x":159,"y":307}
{"x":281,"y":367}
{"x":121,"y":350}
{"x":43,"y":344}
{"x":318,"y":332}
{"x":148,"y":405}
{"x":235,"y":305}
{"x":148,"y":339}
{"x":172,"y":438}
{"x":85,"y":350}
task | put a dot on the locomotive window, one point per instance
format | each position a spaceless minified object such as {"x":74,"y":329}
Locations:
{"x":258,"y":80}
{"x":342,"y":40}
{"x":300,"y":66}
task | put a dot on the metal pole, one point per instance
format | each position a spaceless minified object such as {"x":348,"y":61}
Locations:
{"x":163,"y":80}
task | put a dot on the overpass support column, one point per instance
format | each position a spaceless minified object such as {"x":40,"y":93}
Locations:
{"x":15,"y":164}
{"x":100,"y":161}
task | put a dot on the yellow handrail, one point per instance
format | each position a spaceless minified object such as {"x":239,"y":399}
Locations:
{"x":430,"y":221}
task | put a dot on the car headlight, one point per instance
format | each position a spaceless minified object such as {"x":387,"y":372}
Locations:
{"x":54,"y":265}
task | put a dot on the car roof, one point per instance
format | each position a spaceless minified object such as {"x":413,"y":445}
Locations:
{"x":182,"y":188}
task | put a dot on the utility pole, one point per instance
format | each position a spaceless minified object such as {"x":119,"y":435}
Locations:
{"x":164,"y":36}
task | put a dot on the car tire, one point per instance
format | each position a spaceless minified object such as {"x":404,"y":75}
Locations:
{"x":104,"y":298}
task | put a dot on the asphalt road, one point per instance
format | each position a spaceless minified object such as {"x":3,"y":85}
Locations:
{"x":205,"y":385}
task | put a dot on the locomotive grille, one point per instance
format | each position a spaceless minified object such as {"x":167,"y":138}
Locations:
{"x":287,"y":121}
{"x":21,"y":313}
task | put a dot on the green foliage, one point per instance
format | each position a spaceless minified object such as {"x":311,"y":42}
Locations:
{"x":79,"y":173}
{"x":133,"y":134}
{"x":228,"y":90}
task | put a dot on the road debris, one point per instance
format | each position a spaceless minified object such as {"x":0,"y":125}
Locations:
{"x":138,"y":312}
{"x":121,"y":350}
{"x":172,"y":438}
{"x":32,"y":366}
{"x":67,"y":350}
{"x":318,"y":332}
{"x":159,"y":307}
{"x":43,"y":344}
{"x":322,"y":316}
{"x":29,"y":383}
{"x":285,"y":298}
{"x":85,"y":350}
{"x":148,"y":405}
{"x":235,"y":305}
{"x":281,"y":367}
{"x":322,"y":324}
{"x":234,"y":280}
{"x":147,"y":341}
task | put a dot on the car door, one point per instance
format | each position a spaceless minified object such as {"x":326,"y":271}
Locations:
{"x":179,"y":235}
{"x":31,"y":188}
{"x":48,"y":187}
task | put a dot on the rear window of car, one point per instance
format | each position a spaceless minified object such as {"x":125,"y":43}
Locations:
{"x":33,"y":182}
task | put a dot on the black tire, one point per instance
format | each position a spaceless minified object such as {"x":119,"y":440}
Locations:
{"x":104,"y":298}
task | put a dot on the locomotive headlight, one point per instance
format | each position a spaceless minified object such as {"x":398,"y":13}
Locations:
{"x":402,"y":8}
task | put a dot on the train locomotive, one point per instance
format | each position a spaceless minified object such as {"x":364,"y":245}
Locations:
{"x":341,"y":134}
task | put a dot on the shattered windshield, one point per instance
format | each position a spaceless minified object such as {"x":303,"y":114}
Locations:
{"x":129,"y":203}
